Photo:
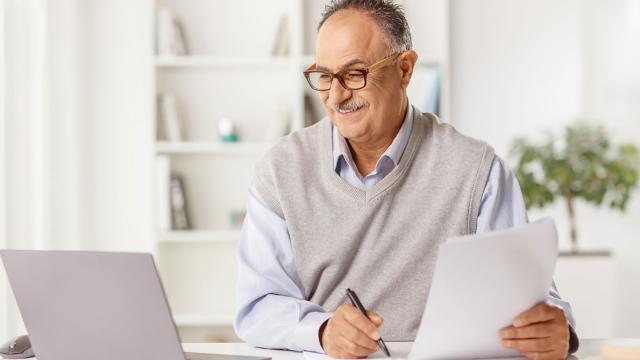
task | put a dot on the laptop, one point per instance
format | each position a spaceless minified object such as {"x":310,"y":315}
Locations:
{"x":79,"y":305}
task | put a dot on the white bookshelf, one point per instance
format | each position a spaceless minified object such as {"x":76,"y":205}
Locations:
{"x":196,"y":61}
{"x":230,"y":72}
{"x":202,"y":320}
{"x":203,"y":147}
{"x":195,"y":236}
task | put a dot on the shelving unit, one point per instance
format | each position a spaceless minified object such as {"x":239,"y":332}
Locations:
{"x":198,"y":236}
{"x":204,"y":147}
{"x":202,"y":320}
{"x":221,"y":61}
{"x":230,"y":72}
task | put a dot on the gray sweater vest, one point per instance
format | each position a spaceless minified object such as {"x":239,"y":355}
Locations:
{"x":383,"y":242}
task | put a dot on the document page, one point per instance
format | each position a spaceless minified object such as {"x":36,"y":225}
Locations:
{"x":481,"y":283}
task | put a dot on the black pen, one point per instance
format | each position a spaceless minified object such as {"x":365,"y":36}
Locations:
{"x":356,"y":302}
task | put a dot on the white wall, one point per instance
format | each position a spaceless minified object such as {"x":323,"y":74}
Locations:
{"x":4,"y":293}
{"x":616,"y":100}
{"x":115,"y":75}
{"x":521,"y":66}
{"x":24,"y":132}
{"x":63,"y":140}
{"x":78,"y":147}
{"x":515,"y":67}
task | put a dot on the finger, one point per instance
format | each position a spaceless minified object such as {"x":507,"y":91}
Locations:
{"x":353,"y":334}
{"x":350,"y":349}
{"x":337,"y":347}
{"x":538,"y":330}
{"x":375,"y":318}
{"x":530,"y":345}
{"x":357,"y":319}
{"x":338,"y":353}
{"x":538,"y":313}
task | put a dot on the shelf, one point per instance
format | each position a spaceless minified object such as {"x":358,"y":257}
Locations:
{"x":200,"y":320}
{"x":167,"y":147}
{"x":199,"y":236}
{"x":203,"y":61}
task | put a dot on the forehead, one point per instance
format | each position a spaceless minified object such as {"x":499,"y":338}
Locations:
{"x":346,"y":36}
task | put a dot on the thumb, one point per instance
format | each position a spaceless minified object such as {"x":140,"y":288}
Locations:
{"x":375,"y":318}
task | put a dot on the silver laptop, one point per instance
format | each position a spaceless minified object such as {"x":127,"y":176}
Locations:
{"x":79,"y":305}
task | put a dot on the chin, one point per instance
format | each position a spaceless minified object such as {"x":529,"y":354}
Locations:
{"x":351,"y":130}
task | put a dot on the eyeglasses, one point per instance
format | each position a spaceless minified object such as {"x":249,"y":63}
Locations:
{"x":350,"y":79}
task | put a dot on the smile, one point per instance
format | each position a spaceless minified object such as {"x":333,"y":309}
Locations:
{"x":345,"y":111}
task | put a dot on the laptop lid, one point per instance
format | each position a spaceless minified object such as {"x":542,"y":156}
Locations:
{"x":92,"y":305}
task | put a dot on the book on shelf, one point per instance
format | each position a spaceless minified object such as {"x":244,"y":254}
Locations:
{"x":178,"y":199}
{"x":163,"y":185}
{"x":281,"y":41}
{"x":169,"y":33}
{"x":169,"y":123}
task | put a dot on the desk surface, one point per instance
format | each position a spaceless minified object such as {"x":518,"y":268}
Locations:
{"x":590,"y":349}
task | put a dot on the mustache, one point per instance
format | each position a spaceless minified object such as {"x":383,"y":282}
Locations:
{"x":349,"y":104}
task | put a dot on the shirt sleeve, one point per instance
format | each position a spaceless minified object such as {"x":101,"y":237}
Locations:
{"x":502,"y":206}
{"x":272,"y":310}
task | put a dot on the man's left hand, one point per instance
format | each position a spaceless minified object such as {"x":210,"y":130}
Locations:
{"x":541,"y":332}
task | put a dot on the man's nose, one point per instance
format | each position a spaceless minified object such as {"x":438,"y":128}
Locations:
{"x":337,"y":93}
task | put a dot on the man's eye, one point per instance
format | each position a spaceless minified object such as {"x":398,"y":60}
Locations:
{"x":354,"y":75}
{"x":324,"y":77}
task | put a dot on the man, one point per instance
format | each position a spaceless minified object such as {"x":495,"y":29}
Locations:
{"x":363,"y":199}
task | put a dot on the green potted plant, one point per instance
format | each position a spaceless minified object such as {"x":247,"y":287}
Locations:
{"x":583,"y":163}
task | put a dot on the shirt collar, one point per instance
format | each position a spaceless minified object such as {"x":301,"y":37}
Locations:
{"x":394,"y":151}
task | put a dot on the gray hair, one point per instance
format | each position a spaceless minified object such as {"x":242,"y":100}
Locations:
{"x":388,"y":15}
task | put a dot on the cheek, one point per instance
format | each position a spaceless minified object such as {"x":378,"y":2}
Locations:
{"x":378,"y":88}
{"x":385,"y":84}
{"x":374,"y":95}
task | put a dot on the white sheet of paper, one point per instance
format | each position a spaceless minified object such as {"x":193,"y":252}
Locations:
{"x":481,"y":283}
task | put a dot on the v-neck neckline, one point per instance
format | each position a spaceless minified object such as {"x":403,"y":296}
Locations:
{"x":389,"y":180}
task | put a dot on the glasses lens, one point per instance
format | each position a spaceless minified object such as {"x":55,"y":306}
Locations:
{"x":354,"y":79}
{"x":320,"y":80}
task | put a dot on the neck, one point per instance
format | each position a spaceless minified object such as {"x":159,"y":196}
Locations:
{"x":366,"y":154}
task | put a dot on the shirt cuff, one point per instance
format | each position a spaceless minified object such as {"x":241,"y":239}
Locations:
{"x":574,"y":342}
{"x":306,"y":334}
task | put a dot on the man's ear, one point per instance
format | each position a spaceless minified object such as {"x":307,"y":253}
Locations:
{"x":407,"y":62}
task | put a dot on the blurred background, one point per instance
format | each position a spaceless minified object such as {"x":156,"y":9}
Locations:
{"x":135,"y":125}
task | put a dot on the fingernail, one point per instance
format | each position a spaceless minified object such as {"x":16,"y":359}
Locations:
{"x":376,"y":335}
{"x":517,"y":322}
{"x":506,"y":344}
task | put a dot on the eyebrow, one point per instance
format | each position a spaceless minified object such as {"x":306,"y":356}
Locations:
{"x":348,"y":64}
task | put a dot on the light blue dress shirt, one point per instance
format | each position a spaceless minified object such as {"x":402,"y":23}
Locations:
{"x":272,"y":310}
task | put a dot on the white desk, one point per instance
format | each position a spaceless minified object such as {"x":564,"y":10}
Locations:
{"x":589,"y":350}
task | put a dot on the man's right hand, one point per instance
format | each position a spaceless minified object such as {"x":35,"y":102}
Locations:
{"x":349,"y":334}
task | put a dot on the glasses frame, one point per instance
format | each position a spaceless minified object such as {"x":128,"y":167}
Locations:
{"x":338,"y":75}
